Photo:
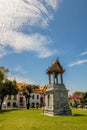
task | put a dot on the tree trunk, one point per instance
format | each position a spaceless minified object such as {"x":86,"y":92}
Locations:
{"x":28,"y":106}
{"x":28,"y":102}
{"x":0,"y":106}
{"x":1,"y":101}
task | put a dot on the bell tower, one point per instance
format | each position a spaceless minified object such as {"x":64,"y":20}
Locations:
{"x":56,"y":96}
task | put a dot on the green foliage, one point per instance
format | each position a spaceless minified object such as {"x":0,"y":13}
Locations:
{"x":10,"y":87}
{"x":85,"y":97}
{"x":78,"y":93}
{"x":3,"y":74}
{"x":7,"y":87}
{"x":29,"y":89}
{"x":75,"y":103}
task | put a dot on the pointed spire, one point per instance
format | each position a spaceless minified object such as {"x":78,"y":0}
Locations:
{"x":57,"y":59}
{"x":55,"y":67}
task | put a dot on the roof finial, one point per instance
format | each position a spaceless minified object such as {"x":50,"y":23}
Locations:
{"x":57,"y":58}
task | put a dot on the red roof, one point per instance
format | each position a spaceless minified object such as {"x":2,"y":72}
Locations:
{"x":75,"y":96}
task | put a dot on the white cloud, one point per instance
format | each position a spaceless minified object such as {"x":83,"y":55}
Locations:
{"x":78,"y":63}
{"x":15,"y":14}
{"x":2,"y":51}
{"x":52,"y":3}
{"x":20,"y":79}
{"x":18,"y":73}
{"x":20,"y":70}
{"x":83,"y":53}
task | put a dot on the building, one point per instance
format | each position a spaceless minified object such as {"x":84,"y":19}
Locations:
{"x":56,"y":96}
{"x":75,"y":99}
{"x":19,"y":100}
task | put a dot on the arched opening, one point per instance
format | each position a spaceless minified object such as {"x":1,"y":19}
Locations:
{"x":48,"y":99}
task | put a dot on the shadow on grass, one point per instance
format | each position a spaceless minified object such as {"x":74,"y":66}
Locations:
{"x":79,"y":114}
{"x":8,"y":110}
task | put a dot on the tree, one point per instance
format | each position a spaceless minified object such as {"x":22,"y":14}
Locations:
{"x":7,"y":87}
{"x":3,"y":75}
{"x":78,"y":93}
{"x":28,"y":90}
{"x":85,"y":97}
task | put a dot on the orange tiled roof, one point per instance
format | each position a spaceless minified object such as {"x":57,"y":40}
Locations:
{"x":22,"y":86}
{"x":39,"y":90}
{"x":19,"y":85}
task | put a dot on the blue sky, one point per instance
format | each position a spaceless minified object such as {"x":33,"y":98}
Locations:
{"x":33,"y":33}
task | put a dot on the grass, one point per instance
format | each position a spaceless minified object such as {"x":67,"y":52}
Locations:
{"x":12,"y":119}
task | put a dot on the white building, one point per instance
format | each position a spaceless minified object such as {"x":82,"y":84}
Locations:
{"x":19,"y":100}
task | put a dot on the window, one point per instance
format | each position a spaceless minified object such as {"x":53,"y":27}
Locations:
{"x":32,"y":96}
{"x":14,"y":104}
{"x":8,"y":104}
{"x":14,"y":97}
{"x":41,"y":99}
{"x":33,"y":105}
{"x":9,"y":97}
{"x":37,"y":96}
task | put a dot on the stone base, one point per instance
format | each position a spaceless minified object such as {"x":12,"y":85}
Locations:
{"x":49,"y":112}
{"x":61,"y":112}
{"x":56,"y":100}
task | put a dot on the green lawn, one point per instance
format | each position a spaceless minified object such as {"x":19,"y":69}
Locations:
{"x":35,"y":120}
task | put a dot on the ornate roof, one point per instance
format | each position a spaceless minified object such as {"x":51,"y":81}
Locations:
{"x":22,"y":87}
{"x":55,"y":68}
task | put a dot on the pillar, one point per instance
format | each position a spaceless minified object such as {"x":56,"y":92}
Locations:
{"x":57,"y":79}
{"x":53,"y":78}
{"x":61,"y":78}
{"x":49,"y":78}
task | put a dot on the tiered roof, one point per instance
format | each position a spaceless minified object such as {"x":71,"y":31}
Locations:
{"x":55,"y":68}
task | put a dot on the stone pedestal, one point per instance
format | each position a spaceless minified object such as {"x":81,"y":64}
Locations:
{"x":56,"y":100}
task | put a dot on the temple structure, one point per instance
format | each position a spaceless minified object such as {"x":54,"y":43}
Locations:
{"x":56,"y":96}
